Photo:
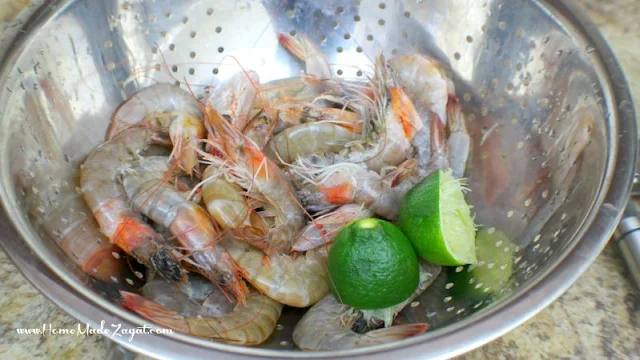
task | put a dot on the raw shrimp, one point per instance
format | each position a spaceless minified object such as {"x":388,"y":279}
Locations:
{"x":305,"y":50}
{"x":60,"y":211}
{"x":427,"y":84}
{"x":262,"y":179}
{"x":323,"y":186}
{"x":165,"y":106}
{"x":145,"y":186}
{"x":327,"y":326}
{"x":308,"y":139}
{"x":278,"y":94}
{"x":300,"y":113}
{"x":108,"y":202}
{"x":233,"y":99}
{"x":425,"y":81}
{"x":251,"y":324}
{"x":459,"y":141}
{"x":322,"y":230}
{"x":230,"y":209}
{"x":297,"y":281}
{"x":198,"y":296}
{"x":330,"y":325}
{"x":398,"y":122}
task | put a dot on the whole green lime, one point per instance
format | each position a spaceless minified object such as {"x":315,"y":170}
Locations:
{"x":372,"y":265}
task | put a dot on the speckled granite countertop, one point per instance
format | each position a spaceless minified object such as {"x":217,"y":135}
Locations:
{"x":599,"y":317}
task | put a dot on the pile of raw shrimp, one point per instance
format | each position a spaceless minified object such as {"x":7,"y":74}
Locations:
{"x":237,"y":220}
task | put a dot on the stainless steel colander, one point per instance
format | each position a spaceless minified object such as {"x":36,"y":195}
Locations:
{"x":534,"y":77}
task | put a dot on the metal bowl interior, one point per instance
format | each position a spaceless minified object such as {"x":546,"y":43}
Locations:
{"x":547,"y":107}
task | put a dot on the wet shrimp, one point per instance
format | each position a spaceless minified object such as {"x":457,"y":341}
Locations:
{"x":228,"y":206}
{"x":234,"y":98}
{"x":427,"y":84}
{"x":330,"y":325}
{"x":60,"y":211}
{"x":323,"y":229}
{"x":168,"y":107}
{"x":308,"y":139}
{"x":145,"y":185}
{"x":262,"y":179}
{"x":324,"y":186}
{"x":298,"y":281}
{"x":108,"y":202}
{"x":213,"y":317}
{"x":396,"y":124}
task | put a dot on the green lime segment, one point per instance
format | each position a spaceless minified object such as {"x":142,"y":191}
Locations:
{"x":493,"y":270}
{"x":437,"y":220}
{"x":372,"y":265}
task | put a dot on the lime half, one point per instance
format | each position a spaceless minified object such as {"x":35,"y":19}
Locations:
{"x":437,"y":220}
{"x":493,"y":270}
{"x":372,"y":265}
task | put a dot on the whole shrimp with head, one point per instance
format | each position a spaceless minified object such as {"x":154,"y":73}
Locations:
{"x":322,"y":185}
{"x":262,"y":180}
{"x":145,"y":184}
{"x":165,"y":106}
{"x":330,"y":325}
{"x":107,"y":200}
{"x":394,"y":122}
{"x":200,"y":310}
{"x":426,"y":83}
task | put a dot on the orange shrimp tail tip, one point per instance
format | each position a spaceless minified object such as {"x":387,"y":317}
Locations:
{"x":406,"y":112}
{"x":398,"y":332}
{"x":168,"y":266}
{"x":338,"y":195}
{"x":152,"y":311}
{"x":104,"y":264}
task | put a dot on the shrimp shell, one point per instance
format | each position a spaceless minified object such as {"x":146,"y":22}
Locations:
{"x":297,"y":281}
{"x":107,"y":200}
{"x":169,"y":107}
{"x":246,"y":325}
{"x":144,"y":184}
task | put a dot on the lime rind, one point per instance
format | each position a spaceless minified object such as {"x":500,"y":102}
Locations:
{"x":388,"y":314}
{"x":456,"y":223}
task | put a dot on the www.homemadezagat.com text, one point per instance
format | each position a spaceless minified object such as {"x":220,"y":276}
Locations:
{"x":111,"y":330}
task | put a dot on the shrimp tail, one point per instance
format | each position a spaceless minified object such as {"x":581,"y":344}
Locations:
{"x":154,"y":312}
{"x":439,"y":158}
{"x":406,"y":111}
{"x":459,"y":142}
{"x":393,"y":333}
{"x":305,"y":50}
